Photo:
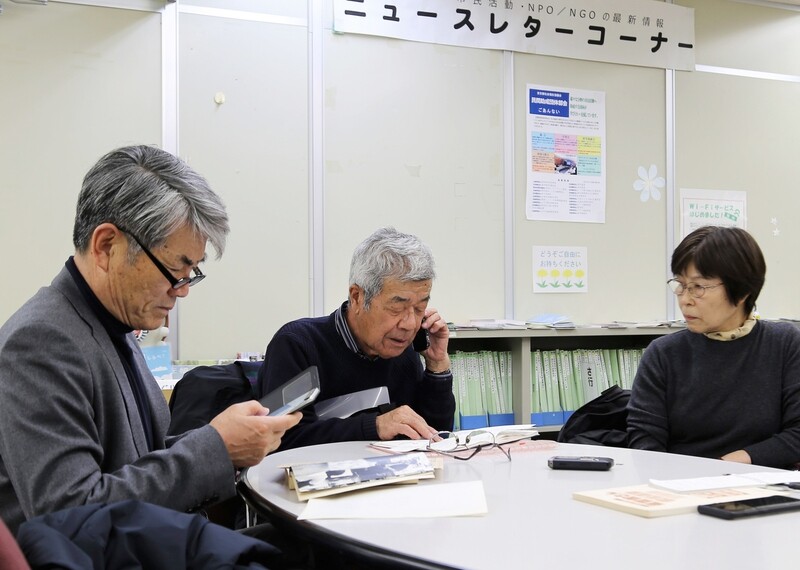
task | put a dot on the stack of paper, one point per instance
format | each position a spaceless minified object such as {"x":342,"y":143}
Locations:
{"x":727,"y":481}
{"x":497,"y":324}
{"x":550,"y":320}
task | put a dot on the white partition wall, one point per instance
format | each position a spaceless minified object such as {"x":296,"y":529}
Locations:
{"x":77,"y":81}
{"x":243,"y":123}
{"x":314,"y":139}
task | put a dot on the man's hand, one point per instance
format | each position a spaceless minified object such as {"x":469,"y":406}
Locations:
{"x":403,"y":421}
{"x":436,"y":357}
{"x":739,"y":456}
{"x":249,"y":434}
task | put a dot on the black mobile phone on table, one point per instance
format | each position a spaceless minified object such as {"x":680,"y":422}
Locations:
{"x":731,"y":510}
{"x":580,"y":463}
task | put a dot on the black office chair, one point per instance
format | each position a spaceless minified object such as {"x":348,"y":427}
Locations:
{"x":198,"y":397}
{"x":205,"y":391}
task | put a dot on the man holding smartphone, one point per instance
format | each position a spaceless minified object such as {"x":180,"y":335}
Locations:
{"x":84,"y":421}
{"x":368,"y":342}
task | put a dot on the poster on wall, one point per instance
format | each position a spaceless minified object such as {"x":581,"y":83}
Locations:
{"x":558,"y":269}
{"x":566,"y":155}
{"x":699,"y":208}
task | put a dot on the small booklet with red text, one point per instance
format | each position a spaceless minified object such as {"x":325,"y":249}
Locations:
{"x":647,"y":501}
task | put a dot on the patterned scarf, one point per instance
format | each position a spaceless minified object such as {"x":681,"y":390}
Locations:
{"x":738,"y":332}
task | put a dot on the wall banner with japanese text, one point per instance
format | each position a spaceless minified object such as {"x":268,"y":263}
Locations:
{"x":558,"y":269}
{"x":632,"y":32}
{"x":566,"y":154}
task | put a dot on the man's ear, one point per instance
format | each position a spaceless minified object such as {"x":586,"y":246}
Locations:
{"x":356,"y":297}
{"x":105,"y":238}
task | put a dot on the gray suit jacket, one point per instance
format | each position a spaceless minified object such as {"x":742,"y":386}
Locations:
{"x":70,"y":431}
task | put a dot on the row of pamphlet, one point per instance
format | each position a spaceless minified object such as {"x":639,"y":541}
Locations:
{"x":482,"y":388}
{"x":562,"y":381}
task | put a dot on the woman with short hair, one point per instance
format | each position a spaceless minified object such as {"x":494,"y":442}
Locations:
{"x":727,"y":387}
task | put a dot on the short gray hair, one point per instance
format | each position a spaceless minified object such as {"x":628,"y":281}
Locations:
{"x":386,"y":254}
{"x":150,"y":193}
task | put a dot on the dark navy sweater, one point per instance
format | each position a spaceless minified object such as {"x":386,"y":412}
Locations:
{"x":698,"y":396}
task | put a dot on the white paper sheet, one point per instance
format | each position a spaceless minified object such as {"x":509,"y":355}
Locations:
{"x":402,"y":501}
{"x":728,"y":481}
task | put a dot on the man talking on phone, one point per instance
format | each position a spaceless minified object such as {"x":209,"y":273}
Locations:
{"x":368,"y":342}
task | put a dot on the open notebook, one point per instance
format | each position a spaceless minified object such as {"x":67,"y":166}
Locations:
{"x":502,"y":434}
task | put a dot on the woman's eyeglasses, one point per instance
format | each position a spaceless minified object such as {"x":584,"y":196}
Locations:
{"x":694,"y":290}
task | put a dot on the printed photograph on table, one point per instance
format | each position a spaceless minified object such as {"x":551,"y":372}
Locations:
{"x":320,"y":479}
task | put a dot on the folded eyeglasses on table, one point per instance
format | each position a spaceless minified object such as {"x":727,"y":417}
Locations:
{"x":466,"y":446}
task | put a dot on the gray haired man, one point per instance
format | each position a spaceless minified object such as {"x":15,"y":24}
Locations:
{"x":84,"y":421}
{"x":367,"y":342}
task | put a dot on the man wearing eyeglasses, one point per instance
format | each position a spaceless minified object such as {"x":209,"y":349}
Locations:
{"x":81,"y":418}
{"x":727,"y":387}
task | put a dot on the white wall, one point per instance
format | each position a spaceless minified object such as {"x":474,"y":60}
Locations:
{"x":323,"y":137}
{"x":77,"y":81}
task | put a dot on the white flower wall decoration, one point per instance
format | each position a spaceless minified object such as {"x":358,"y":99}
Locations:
{"x":649,"y":184}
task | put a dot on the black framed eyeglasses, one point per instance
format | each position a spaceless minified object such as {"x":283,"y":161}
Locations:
{"x":694,"y":290}
{"x":449,"y":443}
{"x":176,"y":283}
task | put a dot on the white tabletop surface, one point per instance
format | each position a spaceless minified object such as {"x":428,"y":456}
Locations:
{"x":533,"y":522}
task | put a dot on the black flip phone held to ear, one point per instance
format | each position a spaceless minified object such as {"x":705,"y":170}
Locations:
{"x":422,"y":340}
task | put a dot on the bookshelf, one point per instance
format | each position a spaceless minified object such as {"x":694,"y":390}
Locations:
{"x":521,"y":342}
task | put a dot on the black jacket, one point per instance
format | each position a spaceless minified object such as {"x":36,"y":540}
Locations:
{"x":133,"y":534}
